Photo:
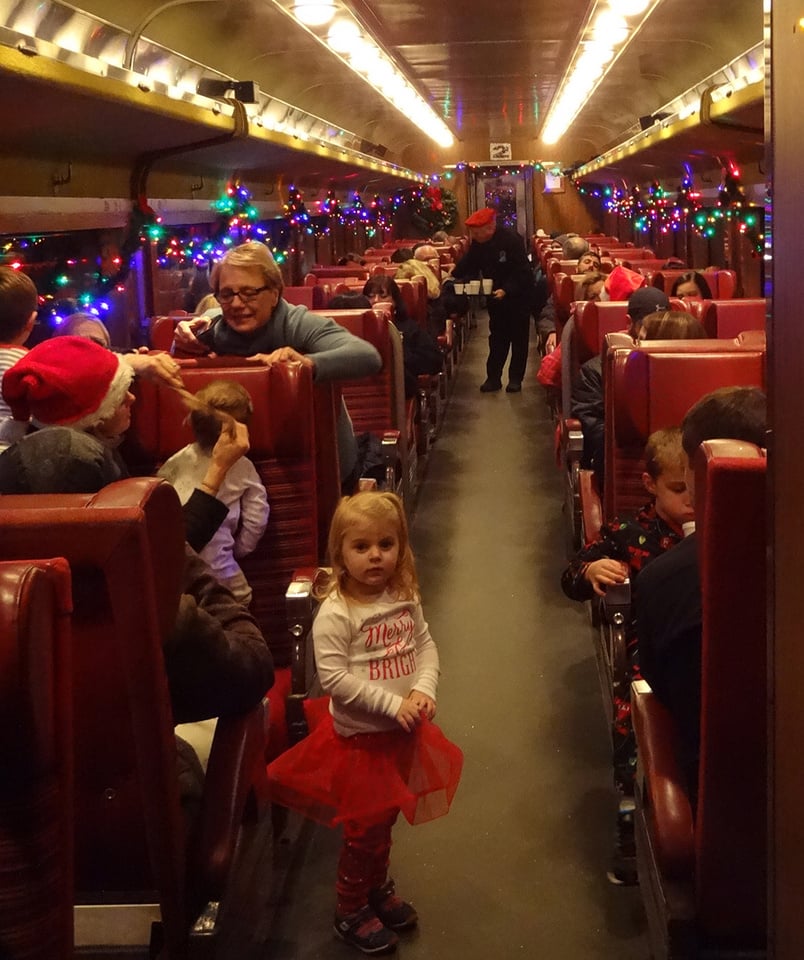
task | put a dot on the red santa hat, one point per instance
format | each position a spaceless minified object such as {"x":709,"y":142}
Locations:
{"x":67,"y":382}
{"x":481,"y":218}
{"x":622,"y":282}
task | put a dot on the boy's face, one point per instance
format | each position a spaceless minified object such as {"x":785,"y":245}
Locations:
{"x":672,"y":495}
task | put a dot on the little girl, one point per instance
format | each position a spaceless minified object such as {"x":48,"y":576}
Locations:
{"x":243,"y":492}
{"x":377,"y":752}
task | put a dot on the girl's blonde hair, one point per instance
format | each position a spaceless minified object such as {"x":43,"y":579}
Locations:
{"x":378,"y":507}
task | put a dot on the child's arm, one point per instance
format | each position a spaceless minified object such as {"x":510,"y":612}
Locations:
{"x":423,"y":693}
{"x":254,"y":512}
{"x":332,"y":638}
{"x":598,"y":564}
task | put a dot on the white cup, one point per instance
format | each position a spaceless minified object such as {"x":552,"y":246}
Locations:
{"x":458,"y":288}
{"x":488,"y":285}
{"x":473,"y":288}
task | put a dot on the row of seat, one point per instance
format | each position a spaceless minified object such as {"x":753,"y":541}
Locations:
{"x":702,"y":876}
{"x":728,"y":323}
{"x":134,"y":868}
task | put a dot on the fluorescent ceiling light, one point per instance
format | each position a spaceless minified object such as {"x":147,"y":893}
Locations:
{"x":313,"y":13}
{"x":352,"y":44}
{"x":604,"y":35}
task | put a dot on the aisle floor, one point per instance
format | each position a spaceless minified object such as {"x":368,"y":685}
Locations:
{"x":518,"y":867}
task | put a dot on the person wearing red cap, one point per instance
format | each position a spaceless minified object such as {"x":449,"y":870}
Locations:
{"x":498,"y":254}
{"x":77,"y":396}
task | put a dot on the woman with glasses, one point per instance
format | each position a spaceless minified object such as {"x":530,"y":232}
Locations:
{"x":254,"y":321}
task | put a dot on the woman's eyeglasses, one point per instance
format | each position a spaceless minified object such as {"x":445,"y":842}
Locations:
{"x":247,"y":294}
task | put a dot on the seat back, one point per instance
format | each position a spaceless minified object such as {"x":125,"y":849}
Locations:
{"x":414,"y":295}
{"x":301,"y":296}
{"x":284,"y":450}
{"x":651,"y":387}
{"x":319,"y":273}
{"x":36,"y":761}
{"x":125,"y":547}
{"x":377,"y":403}
{"x":721,"y":283}
{"x":727,"y":319}
{"x":731,"y":819}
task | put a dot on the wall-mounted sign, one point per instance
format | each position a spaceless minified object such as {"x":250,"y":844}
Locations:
{"x":500,"y":151}
{"x":553,"y":182}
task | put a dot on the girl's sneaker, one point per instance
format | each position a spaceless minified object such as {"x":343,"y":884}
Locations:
{"x":392,"y":910}
{"x":364,"y":931}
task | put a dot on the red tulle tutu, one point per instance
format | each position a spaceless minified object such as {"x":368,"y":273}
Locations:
{"x":331,"y":779}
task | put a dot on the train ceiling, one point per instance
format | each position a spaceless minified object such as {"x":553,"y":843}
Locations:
{"x":490,"y":71}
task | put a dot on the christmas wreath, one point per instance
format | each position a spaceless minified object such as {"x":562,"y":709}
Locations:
{"x":432,"y":209}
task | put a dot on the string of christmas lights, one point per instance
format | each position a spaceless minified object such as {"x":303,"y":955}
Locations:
{"x":664,"y":211}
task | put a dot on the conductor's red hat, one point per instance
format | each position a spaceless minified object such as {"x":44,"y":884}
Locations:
{"x":481,"y":218}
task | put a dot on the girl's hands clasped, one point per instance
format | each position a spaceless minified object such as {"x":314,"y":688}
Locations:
{"x":415,"y":706}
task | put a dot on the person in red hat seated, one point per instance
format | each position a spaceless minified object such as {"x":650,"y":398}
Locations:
{"x":77,"y":396}
{"x":498,"y":254}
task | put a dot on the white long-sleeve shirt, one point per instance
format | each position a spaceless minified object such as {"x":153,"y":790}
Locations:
{"x":11,"y":430}
{"x":369,"y":657}
{"x":243,"y":493}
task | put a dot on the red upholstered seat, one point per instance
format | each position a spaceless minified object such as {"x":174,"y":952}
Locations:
{"x":285,"y":450}
{"x":727,"y":319}
{"x":125,"y":546}
{"x":704,"y":883}
{"x":721,"y":283}
{"x":414,"y":294}
{"x":653,"y":387}
{"x":36,"y":761}
{"x":377,"y":403}
{"x":319,"y":273}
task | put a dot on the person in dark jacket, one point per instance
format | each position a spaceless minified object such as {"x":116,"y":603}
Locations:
{"x":499,"y":255}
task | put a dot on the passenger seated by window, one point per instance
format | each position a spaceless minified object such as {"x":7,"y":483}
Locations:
{"x":18,"y":306}
{"x":625,"y":547}
{"x":587,"y":390}
{"x":588,"y":262}
{"x":242,"y":490}
{"x":77,"y":394}
{"x":691,"y":285}
{"x":422,"y":355}
{"x":669,"y":616}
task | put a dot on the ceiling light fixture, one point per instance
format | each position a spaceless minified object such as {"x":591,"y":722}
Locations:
{"x":604,"y":35}
{"x":353,"y":45}
{"x":313,"y":13}
{"x":743,"y":71}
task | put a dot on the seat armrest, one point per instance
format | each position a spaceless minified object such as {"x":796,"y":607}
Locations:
{"x":300,"y":606}
{"x":670,"y":812}
{"x":236,"y":770}
{"x":591,"y":506}
{"x":570,"y":441}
